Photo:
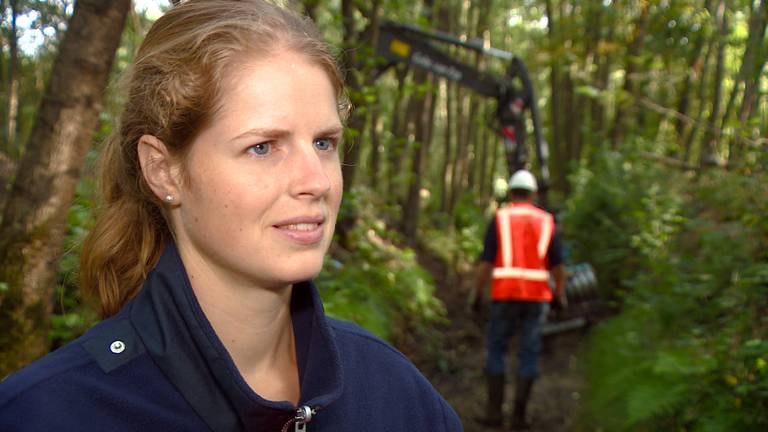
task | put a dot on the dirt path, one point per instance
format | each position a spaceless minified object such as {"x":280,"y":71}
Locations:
{"x":456,"y":371}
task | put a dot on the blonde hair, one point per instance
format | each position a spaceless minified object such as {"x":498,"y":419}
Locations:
{"x":173,"y":91}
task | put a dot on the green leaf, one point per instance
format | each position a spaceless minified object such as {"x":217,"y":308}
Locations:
{"x":589,"y":91}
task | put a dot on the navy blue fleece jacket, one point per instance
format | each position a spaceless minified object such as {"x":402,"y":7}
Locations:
{"x":159,"y":366}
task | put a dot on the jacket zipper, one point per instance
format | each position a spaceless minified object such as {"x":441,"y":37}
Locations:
{"x":303,"y":416}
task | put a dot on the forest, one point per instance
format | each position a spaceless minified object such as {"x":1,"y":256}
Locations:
{"x":655,"y":113}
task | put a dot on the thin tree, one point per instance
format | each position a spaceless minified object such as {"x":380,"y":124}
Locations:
{"x":421,"y":108}
{"x":555,"y":105}
{"x":709,"y":146}
{"x":355,"y":44}
{"x":621,"y":118}
{"x":701,"y":93}
{"x":13,"y":81}
{"x":694,"y":63}
{"x":755,"y":57}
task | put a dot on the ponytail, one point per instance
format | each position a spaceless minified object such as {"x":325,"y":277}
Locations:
{"x":128,"y":237}
{"x":118,"y":253}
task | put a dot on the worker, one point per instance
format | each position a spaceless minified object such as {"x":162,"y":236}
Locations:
{"x":522,"y":251}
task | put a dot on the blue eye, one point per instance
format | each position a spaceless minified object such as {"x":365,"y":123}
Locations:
{"x":260,"y":149}
{"x":324,"y":144}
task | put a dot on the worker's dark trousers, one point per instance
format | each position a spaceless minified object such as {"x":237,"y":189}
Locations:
{"x":506,"y":317}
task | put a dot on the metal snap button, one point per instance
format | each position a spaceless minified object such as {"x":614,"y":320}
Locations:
{"x":117,"y":347}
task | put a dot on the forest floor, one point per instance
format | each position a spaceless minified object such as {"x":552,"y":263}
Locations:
{"x":454,"y":365}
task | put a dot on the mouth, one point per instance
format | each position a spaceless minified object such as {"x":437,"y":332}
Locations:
{"x":302,"y":230}
{"x":299,"y":226}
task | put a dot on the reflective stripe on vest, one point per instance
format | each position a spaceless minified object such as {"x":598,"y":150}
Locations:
{"x":521,"y":273}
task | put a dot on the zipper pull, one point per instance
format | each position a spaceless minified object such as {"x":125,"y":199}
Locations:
{"x":300,"y":419}
{"x":303,"y":416}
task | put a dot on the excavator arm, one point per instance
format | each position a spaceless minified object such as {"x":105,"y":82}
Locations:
{"x":403,"y":43}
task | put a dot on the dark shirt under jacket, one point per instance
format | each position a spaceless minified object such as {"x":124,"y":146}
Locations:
{"x":158,"y":365}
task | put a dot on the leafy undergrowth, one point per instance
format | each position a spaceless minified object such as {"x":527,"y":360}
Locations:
{"x":689,"y":350}
{"x":376,"y":283}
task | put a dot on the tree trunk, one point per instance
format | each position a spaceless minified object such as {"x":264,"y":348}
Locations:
{"x":448,"y":16}
{"x":412,"y":207}
{"x":458,"y":183}
{"x":694,"y":65}
{"x":3,"y":85}
{"x":13,"y":82}
{"x":751,"y":69}
{"x":572,"y":116}
{"x":749,"y":102}
{"x":603,"y":75}
{"x":447,"y":171}
{"x":357,"y":78}
{"x":496,"y":154}
{"x":574,"y":112}
{"x":356,"y":120}
{"x":709,"y":146}
{"x":35,"y":216}
{"x":557,"y":143}
{"x":688,"y":146}
{"x":398,"y":131}
{"x":483,"y":171}
{"x":374,"y":130}
{"x":633,"y":52}
{"x":753,"y":45}
{"x":469,"y":137}
{"x":429,"y":160}
{"x":310,"y":8}
{"x":593,"y":105}
{"x":7,"y":168}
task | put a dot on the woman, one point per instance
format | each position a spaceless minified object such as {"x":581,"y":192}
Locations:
{"x":221,"y":186}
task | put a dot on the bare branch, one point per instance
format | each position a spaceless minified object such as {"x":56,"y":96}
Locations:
{"x":648,"y":103}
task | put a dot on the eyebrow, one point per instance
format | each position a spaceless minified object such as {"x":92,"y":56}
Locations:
{"x":333,"y":130}
{"x":277,"y":133}
{"x":262,"y":132}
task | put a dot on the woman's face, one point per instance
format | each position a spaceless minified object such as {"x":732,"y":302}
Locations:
{"x":263,"y":179}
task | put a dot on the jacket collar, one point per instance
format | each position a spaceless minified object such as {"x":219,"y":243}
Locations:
{"x":181,"y":341}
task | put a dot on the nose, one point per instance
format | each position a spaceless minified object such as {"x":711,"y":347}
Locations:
{"x":309,"y":171}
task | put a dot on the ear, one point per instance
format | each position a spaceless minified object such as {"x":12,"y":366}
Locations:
{"x":158,"y":168}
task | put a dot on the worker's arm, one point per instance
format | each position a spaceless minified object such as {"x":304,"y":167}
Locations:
{"x":556,"y":263}
{"x":482,"y":277}
{"x":484,"y":268}
{"x":558,"y":273}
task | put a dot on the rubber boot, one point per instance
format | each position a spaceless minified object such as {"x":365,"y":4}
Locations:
{"x":522,"y":394}
{"x":493,"y":413}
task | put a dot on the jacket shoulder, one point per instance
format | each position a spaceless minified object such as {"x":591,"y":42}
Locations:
{"x":363,"y":341}
{"x":106,"y":346}
{"x":369,"y":362}
{"x":39,"y":372}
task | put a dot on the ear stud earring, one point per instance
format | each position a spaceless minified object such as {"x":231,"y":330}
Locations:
{"x":169,"y":198}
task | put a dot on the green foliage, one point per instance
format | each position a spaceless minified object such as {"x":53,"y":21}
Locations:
{"x":689,"y":350}
{"x":458,"y":239}
{"x":623,"y":212}
{"x":71,"y":317}
{"x":377,"y":284}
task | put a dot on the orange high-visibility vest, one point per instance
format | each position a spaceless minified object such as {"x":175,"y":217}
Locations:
{"x":523,"y":233}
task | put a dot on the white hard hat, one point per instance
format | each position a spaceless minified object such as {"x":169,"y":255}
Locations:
{"x":523,"y":179}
